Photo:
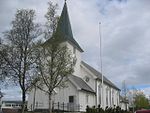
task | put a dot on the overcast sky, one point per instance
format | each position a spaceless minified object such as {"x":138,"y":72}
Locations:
{"x":125,"y":30}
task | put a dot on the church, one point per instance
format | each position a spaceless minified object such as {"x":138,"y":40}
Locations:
{"x":84,"y":85}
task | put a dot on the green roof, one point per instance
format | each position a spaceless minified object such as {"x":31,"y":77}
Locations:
{"x":64,"y":23}
{"x":64,"y":28}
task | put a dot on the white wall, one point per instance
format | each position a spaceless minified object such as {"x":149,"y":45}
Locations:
{"x":40,"y":102}
{"x":83,"y":100}
{"x":114,"y":94}
{"x":86,"y":73}
{"x":78,"y":57}
{"x":62,"y":95}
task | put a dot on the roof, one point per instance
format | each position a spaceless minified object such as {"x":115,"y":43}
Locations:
{"x":99,"y":75}
{"x":64,"y":30}
{"x":81,"y":84}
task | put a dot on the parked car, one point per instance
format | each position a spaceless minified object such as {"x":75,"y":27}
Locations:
{"x":143,"y":111}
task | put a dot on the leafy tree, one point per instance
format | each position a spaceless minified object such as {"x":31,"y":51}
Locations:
{"x":52,"y":20}
{"x":55,"y":63}
{"x":2,"y":62}
{"x":19,"y":53}
{"x":141,"y":101}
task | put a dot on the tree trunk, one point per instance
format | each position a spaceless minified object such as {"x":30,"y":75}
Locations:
{"x":50,"y":103}
{"x":23,"y":101}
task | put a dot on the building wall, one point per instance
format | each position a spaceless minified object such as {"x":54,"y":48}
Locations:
{"x":62,"y":95}
{"x":109,"y":92}
{"x":86,"y":73}
{"x":37,"y":99}
{"x":86,"y":99}
{"x":10,"y":105}
{"x":77,"y":54}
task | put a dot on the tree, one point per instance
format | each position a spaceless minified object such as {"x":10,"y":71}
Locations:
{"x":140,"y":101}
{"x":2,"y":62}
{"x":19,"y":53}
{"x":55,"y":63}
{"x":52,"y":20}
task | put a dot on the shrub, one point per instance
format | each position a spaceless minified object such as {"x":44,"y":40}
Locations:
{"x":106,"y":110}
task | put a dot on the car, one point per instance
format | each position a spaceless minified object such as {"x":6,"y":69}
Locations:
{"x":143,"y":111}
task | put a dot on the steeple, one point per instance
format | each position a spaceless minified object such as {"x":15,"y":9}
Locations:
{"x":64,"y":28}
{"x":64,"y":23}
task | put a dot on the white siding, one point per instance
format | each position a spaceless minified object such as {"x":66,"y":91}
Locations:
{"x":112,"y":100}
{"x":62,"y":95}
{"x":40,"y":101}
{"x":85,"y":73}
{"x":78,"y":57}
{"x":83,"y":100}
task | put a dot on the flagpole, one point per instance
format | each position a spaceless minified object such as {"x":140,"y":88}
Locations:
{"x":101,"y":64}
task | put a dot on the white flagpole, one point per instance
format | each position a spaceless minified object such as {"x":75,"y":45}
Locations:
{"x":101,"y":65}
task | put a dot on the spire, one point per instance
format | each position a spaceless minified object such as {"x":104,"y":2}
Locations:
{"x":64,"y":23}
{"x":64,"y":27}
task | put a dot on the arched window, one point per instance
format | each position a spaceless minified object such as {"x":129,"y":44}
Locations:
{"x":107,"y":93}
{"x":112,"y":97}
{"x":99,"y":93}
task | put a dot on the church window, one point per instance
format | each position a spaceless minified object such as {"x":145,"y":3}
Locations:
{"x":71,"y":99}
{"x":99,"y":93}
{"x":113,"y":98}
{"x":87,"y":98}
{"x":110,"y":97}
{"x":36,"y":104}
{"x":117,"y":98}
{"x":107,"y":97}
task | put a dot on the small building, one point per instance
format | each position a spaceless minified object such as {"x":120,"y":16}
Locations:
{"x":124,"y":103}
{"x":84,"y":86}
{"x":11,"y":104}
{"x":1,"y":95}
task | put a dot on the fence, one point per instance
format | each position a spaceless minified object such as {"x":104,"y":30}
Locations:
{"x":70,"y":107}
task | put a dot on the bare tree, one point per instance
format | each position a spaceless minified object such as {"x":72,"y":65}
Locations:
{"x":20,"y":53}
{"x":52,"y":20}
{"x":54,"y":65}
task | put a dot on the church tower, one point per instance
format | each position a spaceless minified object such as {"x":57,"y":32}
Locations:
{"x":65,"y":31}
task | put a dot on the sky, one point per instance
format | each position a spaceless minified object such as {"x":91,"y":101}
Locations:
{"x":125,"y":33}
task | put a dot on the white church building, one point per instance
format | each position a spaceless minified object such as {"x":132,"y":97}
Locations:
{"x":84,"y":86}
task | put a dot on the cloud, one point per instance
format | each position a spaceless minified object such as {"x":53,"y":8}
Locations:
{"x":125,"y":31}
{"x":11,"y":93}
